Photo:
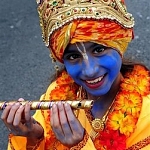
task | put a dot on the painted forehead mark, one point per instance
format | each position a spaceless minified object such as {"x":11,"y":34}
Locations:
{"x":83,"y":52}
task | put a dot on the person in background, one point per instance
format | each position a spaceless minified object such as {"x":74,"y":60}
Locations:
{"x":90,"y":38}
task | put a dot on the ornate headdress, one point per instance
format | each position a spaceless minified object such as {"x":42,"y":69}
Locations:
{"x":55,"y":14}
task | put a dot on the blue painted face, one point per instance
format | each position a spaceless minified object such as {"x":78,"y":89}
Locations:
{"x":97,"y":71}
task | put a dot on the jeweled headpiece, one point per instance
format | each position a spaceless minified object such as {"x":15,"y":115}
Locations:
{"x":104,"y":22}
{"x":56,"y":13}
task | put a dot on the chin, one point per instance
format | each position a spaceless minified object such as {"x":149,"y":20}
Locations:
{"x":98,"y":92}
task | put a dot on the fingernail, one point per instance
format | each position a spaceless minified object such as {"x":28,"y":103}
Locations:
{"x":59,"y":103}
{"x":54,"y":106}
{"x":21,"y":106}
{"x":17,"y":103}
{"x":66,"y":104}
{"x":20,"y":99}
{"x":10,"y":104}
{"x":28,"y":104}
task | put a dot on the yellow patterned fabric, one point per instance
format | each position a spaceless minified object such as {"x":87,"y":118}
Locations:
{"x":142,"y":130}
{"x":139,"y":139}
{"x":104,"y":32}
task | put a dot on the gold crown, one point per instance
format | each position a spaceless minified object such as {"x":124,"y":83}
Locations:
{"x":56,"y":13}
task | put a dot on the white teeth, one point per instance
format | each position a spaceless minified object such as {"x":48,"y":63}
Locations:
{"x":95,"y":80}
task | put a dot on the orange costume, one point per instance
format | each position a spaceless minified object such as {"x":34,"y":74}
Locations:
{"x":105,"y":22}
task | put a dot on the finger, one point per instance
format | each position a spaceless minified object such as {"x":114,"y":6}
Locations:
{"x":18,"y":116}
{"x":73,"y":121}
{"x":51,"y":117}
{"x":8,"y":115}
{"x":27,"y":116}
{"x":23,"y":124}
{"x":5,"y":115}
{"x":18,"y":127}
{"x":12,"y":113}
{"x":20,"y":100}
{"x":55,"y":123}
{"x":63,"y":120}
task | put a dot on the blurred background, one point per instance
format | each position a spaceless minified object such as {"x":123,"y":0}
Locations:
{"x":25,"y":66}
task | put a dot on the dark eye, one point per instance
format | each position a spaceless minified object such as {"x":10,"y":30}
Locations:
{"x":99,"y":50}
{"x":73,"y":56}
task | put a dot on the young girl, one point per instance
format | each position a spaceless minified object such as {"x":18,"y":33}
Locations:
{"x":89,"y":37}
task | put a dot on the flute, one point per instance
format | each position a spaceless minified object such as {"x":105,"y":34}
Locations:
{"x":47,"y":104}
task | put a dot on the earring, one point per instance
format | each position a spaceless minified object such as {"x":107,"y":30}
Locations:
{"x":56,"y":67}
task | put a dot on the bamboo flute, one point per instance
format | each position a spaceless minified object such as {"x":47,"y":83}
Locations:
{"x":47,"y":104}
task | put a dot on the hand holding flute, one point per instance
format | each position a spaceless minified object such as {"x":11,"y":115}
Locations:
{"x":19,"y":121}
{"x":17,"y":118}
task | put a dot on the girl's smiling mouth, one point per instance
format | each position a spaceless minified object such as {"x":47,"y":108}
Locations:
{"x":95,"y":83}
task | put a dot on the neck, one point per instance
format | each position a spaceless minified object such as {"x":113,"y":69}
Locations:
{"x":102,"y":103}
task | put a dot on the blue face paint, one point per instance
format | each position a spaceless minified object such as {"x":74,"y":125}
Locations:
{"x":96,"y":74}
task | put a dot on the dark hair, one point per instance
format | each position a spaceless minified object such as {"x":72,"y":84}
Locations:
{"x":128,"y":65}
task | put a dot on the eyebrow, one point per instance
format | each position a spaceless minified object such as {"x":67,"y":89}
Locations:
{"x":94,"y":44}
{"x":74,"y":49}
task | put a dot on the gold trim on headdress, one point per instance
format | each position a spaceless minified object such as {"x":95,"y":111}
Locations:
{"x":56,"y":13}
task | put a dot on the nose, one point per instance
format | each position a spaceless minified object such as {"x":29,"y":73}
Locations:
{"x":90,"y":69}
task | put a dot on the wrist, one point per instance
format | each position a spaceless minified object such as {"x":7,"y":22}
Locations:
{"x":37,"y":132}
{"x":33,"y":144}
{"x":35,"y":138}
{"x":81,"y":144}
